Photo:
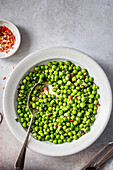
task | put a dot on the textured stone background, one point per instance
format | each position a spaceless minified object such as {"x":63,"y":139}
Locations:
{"x":86,"y":25}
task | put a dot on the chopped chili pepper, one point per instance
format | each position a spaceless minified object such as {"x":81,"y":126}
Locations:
{"x":45,"y":89}
{"x":71,"y":120}
{"x":73,"y":84}
{"x":56,"y":126}
{"x":84,"y":76}
{"x":3,"y":87}
{"x":98,"y":104}
{"x":49,"y":67}
{"x":57,"y":122}
{"x":4,"y":78}
{"x":70,"y":97}
{"x":48,"y":115}
{"x":75,"y":97}
{"x":71,"y":75}
{"x":51,"y":106}
{"x":34,"y":71}
{"x":81,"y":131}
{"x":63,"y":92}
{"x":7,"y":39}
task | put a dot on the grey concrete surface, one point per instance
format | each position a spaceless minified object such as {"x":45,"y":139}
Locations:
{"x":86,"y":25}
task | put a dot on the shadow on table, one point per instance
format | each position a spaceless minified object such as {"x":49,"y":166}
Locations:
{"x":25,"y":41}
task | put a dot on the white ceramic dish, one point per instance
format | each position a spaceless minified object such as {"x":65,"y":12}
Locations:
{"x":41,"y":57}
{"x":16,"y":33}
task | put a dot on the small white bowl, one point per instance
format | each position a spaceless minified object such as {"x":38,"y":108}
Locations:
{"x":16,"y":33}
{"x":43,"y":57}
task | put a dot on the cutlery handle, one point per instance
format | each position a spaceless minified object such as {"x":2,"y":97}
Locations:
{"x":107,"y":156}
{"x":20,"y":160}
{"x":94,"y":159}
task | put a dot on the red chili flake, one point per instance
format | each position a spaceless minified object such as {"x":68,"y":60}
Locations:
{"x":71,"y":75}
{"x":68,"y":79}
{"x":84,"y":76}
{"x":7,"y":39}
{"x":75,"y":97}
{"x":57,"y":122}
{"x":49,"y":67}
{"x":73,"y":84}
{"x":92,"y":121}
{"x":34,"y":71}
{"x":79,"y":84}
{"x":3,"y":87}
{"x":63,"y":92}
{"x":51,"y":106}
{"x":42,"y":125}
{"x":56,"y":126}
{"x":45,"y":89}
{"x":71,"y":120}
{"x":70,"y":97}
{"x":98,"y":104}
{"x":4,"y":78}
{"x":48,"y":115}
{"x":81,"y":131}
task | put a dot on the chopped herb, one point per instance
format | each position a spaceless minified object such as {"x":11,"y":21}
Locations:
{"x":17,"y":120}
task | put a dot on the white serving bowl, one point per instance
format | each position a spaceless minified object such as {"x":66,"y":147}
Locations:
{"x":16,"y":33}
{"x":42,"y":57}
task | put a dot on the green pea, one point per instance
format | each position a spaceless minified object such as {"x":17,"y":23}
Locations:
{"x":69,"y":140}
{"x":82,"y":105}
{"x":55,"y":141}
{"x":74,"y":79}
{"x":79,"y":114}
{"x":68,"y":83}
{"x":75,"y":137}
{"x":24,"y":124}
{"x":91,"y":79}
{"x":33,"y":105}
{"x":33,"y":99}
{"x":95,"y":102}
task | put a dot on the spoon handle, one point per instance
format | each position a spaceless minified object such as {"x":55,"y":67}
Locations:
{"x":20,"y":160}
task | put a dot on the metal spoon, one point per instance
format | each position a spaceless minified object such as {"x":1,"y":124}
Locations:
{"x":20,"y":160}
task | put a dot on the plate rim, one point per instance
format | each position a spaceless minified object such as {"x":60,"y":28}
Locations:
{"x":49,"y":49}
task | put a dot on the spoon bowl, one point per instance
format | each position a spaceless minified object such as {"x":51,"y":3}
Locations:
{"x":39,"y":87}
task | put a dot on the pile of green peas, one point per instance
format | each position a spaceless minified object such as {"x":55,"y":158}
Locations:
{"x":63,"y":118}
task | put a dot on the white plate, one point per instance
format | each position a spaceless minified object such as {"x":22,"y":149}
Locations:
{"x":41,"y":57}
{"x":16,"y":33}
